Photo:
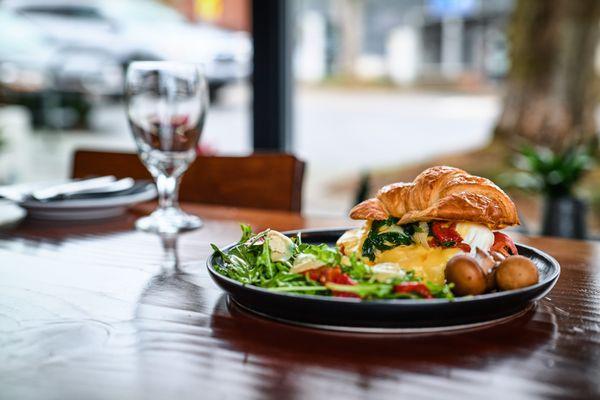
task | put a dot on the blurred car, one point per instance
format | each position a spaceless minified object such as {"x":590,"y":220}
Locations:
{"x":37,"y":73}
{"x":25,"y":58}
{"x":142,"y":30}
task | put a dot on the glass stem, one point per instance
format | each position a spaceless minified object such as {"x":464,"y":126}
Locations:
{"x":168,"y":188}
{"x":170,"y":256}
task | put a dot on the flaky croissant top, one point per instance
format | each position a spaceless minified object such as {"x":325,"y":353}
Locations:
{"x":441,"y":193}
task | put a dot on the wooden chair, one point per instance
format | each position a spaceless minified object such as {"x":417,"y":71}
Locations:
{"x":267,"y":181}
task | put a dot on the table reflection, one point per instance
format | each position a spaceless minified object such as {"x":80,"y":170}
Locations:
{"x":337,"y":354}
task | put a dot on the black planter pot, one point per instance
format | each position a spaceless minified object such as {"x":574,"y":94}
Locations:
{"x":564,"y":217}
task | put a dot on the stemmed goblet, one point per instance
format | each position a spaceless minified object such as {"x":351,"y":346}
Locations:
{"x":166,"y":106}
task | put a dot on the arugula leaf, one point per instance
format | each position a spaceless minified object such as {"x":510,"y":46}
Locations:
{"x":364,"y":290}
{"x":441,"y":291}
{"x":298,"y":289}
{"x":264,"y":260}
{"x":297,"y":239}
{"x":220,"y":253}
{"x":246,"y":233}
{"x":235,"y":267}
{"x":328,"y":255}
{"x":256,"y":238}
{"x":357,"y":269}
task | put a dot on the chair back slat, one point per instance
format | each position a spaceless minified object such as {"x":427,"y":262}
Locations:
{"x":267,"y":181}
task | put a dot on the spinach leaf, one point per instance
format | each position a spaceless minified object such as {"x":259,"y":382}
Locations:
{"x":412,"y":228}
{"x":386,"y":240}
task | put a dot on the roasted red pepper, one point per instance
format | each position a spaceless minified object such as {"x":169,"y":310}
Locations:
{"x":415,"y":288}
{"x":504,"y":245}
{"x":445,"y":235}
{"x":332,"y":274}
{"x":464,"y":247}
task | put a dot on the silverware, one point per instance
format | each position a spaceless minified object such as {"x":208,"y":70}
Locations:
{"x":21,"y":191}
{"x":116,"y":187}
{"x":73,"y":187}
{"x":61,"y":190}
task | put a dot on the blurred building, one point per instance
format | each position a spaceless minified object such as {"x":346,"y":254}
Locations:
{"x":407,"y":41}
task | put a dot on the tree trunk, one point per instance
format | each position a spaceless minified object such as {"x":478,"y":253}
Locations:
{"x":551,"y":87}
{"x":350,"y":23}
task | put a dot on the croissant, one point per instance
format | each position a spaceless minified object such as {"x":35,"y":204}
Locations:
{"x":441,"y":193}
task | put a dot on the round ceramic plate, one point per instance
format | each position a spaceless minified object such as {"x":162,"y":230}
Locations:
{"x":337,"y":313}
{"x":10,"y":214}
{"x":87,"y":209}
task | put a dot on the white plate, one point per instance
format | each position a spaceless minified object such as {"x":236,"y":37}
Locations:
{"x":87,"y":209}
{"x":10,"y":214}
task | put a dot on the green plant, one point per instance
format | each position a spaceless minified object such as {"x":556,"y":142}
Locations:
{"x":551,"y":173}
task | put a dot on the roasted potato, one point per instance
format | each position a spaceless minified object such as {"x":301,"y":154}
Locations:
{"x":516,"y":272}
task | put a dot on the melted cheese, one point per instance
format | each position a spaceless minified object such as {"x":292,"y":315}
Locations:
{"x":352,"y":240}
{"x":428,"y":264}
{"x":475,"y":235}
{"x":386,"y":271}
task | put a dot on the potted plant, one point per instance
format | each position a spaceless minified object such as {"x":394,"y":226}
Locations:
{"x":554,"y":175}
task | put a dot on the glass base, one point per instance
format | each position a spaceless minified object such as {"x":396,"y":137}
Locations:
{"x":168,"y":220}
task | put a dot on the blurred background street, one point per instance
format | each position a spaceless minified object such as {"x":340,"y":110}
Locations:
{"x":429,"y":123}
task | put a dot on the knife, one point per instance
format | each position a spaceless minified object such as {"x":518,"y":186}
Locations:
{"x":21,"y":191}
{"x":137,"y":187}
{"x":119,"y":187}
{"x":73,"y":187}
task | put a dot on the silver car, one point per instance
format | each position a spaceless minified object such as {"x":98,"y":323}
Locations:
{"x":142,"y":30}
{"x":42,"y":75}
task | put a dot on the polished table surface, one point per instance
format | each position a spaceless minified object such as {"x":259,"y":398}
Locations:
{"x":88,"y":312}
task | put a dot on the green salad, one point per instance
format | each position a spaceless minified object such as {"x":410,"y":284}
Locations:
{"x":275,"y":262}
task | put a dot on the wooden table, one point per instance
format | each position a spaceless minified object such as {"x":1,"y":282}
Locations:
{"x":86,"y":312}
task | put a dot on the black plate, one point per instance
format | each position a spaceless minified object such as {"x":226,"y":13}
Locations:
{"x":353,"y":314}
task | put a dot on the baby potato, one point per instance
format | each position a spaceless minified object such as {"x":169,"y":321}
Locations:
{"x":467,"y":275}
{"x":516,"y":272}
